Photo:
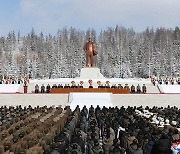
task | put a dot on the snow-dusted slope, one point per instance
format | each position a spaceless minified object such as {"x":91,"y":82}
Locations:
{"x":169,"y":88}
{"x":10,"y":88}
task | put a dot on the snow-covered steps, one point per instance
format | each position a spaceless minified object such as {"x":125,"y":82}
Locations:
{"x":152,"y":89}
{"x":10,"y":88}
{"x":88,"y":99}
{"x":169,"y":89}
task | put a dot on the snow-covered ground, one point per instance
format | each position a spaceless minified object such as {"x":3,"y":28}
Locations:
{"x":169,"y":88}
{"x":117,"y":100}
{"x":34,"y":99}
{"x":101,"y":99}
{"x":9,"y":88}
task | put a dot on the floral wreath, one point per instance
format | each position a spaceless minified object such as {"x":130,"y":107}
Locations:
{"x":72,"y":82}
{"x":90,"y":81}
{"x":99,"y":83}
{"x":107,"y":82}
{"x":81,"y":82}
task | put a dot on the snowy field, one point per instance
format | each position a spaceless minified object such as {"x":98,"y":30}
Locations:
{"x":169,"y":89}
{"x":117,"y":100}
{"x":89,"y":99}
{"x":9,"y":88}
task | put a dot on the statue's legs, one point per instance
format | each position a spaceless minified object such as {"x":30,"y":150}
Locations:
{"x":87,"y":60}
{"x":92,"y":60}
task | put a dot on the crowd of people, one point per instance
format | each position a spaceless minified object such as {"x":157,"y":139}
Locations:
{"x":166,"y":81}
{"x":133,"y":88}
{"x":30,"y":130}
{"x":113,"y":130}
{"x":13,"y":80}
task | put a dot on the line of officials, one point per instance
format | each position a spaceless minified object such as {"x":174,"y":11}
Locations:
{"x":133,"y":88}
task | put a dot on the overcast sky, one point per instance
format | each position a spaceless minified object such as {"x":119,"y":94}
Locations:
{"x":50,"y":15}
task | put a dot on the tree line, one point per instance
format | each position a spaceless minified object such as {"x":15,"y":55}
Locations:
{"x":122,"y":53}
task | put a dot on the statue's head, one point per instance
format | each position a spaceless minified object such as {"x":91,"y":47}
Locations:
{"x":90,"y":40}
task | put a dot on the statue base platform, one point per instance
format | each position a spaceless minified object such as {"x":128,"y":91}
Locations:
{"x":91,"y":73}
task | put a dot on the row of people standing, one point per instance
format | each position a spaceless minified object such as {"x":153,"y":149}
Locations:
{"x":133,"y":89}
{"x":13,"y":80}
{"x":19,"y":81}
{"x":43,"y":89}
{"x":165,"y":81}
{"x":170,"y":81}
{"x":138,"y":89}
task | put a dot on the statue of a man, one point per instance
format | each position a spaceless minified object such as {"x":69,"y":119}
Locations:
{"x":90,"y":50}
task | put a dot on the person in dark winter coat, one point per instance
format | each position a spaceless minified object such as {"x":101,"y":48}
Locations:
{"x":42,"y":88}
{"x":133,"y":147}
{"x":162,"y":146}
{"x":133,"y":89}
{"x":96,"y":149}
{"x":75,"y":148}
{"x":138,"y":150}
{"x":115,"y":149}
{"x":148,"y":147}
{"x":36,"y":88}
{"x":48,"y":88}
{"x":107,"y":143}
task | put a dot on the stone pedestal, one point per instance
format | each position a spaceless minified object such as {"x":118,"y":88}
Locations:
{"x":91,"y":73}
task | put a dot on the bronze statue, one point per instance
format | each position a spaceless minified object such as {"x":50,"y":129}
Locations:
{"x":90,"y":50}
